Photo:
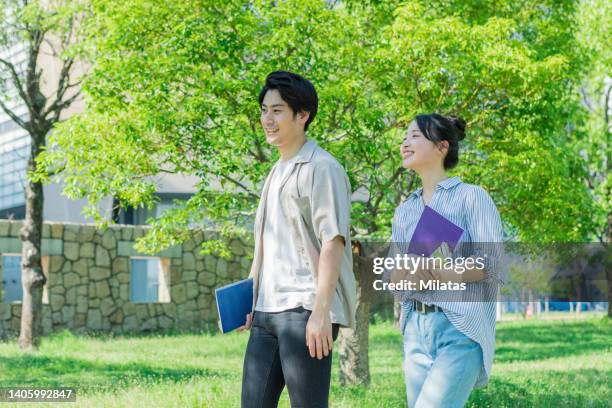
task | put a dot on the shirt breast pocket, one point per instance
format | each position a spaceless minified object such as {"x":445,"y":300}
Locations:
{"x":302,"y":205}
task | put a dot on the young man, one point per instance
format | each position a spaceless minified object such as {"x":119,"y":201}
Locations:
{"x":304,"y":287}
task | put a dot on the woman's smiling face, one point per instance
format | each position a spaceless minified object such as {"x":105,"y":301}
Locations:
{"x":417,"y":151}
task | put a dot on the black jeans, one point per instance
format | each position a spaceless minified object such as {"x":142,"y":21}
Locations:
{"x":277,"y":355}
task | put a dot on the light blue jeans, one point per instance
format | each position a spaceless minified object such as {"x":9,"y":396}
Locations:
{"x":441,"y":364}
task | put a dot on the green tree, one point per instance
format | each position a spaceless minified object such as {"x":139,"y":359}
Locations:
{"x":174,"y":87}
{"x":47,"y":30}
{"x":531,"y":271}
{"x":596,"y":92}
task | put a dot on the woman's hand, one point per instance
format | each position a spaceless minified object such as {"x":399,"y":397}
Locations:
{"x":419,"y":274}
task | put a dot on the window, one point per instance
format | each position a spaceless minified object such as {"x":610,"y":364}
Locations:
{"x":14,"y":153}
{"x":149,"y":280}
{"x":11,"y":278}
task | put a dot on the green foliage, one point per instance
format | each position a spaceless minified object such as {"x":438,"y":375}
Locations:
{"x":516,"y":106}
{"x":27,"y":22}
{"x":173,"y":89}
{"x":22,"y":18}
{"x":596,"y":91}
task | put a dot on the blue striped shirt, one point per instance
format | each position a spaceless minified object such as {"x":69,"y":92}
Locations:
{"x":471,"y":311}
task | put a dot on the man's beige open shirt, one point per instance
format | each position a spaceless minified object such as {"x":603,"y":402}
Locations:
{"x":316,"y":198}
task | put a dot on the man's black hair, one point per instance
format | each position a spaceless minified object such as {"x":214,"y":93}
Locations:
{"x":298,"y":92}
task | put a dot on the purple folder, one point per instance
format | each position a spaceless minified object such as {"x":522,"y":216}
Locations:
{"x":431,"y":231}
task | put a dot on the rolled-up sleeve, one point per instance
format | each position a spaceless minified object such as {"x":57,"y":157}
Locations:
{"x":331,"y":195}
{"x":486,"y":232}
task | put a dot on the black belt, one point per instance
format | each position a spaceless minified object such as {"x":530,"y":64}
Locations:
{"x":425,"y":308}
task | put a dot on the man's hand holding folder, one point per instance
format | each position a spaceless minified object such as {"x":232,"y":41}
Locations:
{"x":234,"y":302}
{"x":247,"y":325}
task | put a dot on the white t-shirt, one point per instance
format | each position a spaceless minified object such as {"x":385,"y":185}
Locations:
{"x":285,"y":283}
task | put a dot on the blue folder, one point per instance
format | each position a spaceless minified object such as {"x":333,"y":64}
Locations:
{"x":234,"y":302}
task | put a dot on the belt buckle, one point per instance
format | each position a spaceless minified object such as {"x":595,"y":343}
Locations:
{"x":422,"y":307}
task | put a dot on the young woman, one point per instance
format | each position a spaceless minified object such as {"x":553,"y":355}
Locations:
{"x":449,"y":327}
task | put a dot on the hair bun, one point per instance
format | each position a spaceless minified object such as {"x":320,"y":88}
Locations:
{"x":459,"y":124}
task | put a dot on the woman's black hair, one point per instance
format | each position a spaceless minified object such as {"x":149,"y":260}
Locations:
{"x":298,"y":92}
{"x":438,"y":128}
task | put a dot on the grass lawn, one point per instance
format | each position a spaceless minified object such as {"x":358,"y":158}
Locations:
{"x":537,"y":364}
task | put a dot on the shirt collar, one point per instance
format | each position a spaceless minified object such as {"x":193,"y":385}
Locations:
{"x":445,"y":184}
{"x":305,"y":153}
{"x":449,"y":182}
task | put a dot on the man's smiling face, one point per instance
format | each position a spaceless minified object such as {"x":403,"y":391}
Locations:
{"x":281,"y":125}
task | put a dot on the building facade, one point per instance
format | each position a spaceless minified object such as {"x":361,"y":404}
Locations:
{"x":14,"y":156}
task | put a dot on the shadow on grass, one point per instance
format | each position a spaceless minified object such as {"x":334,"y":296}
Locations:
{"x":209,"y":330}
{"x":573,"y":388}
{"x":526,"y":342}
{"x":88,"y":376}
{"x":529,"y":341}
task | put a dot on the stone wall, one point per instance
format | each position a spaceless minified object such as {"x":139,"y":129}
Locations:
{"x":88,"y":285}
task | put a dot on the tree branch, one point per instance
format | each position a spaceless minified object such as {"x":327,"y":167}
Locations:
{"x":261,"y":156}
{"x":471,"y":98}
{"x":167,"y":171}
{"x":63,"y":84}
{"x":14,"y":117}
{"x":16,"y":81}
{"x":54,"y":52}
{"x":585,"y":99}
{"x":239,"y":184}
{"x":56,"y":171}
{"x":607,"y":108}
{"x":37,"y":100}
{"x":61,"y":106}
{"x":386,"y":186}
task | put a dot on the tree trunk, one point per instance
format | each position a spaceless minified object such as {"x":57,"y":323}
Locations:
{"x":517,"y":308}
{"x":397,"y":312}
{"x":609,"y":274}
{"x":523,"y":305}
{"x":578,"y":288}
{"x":353,"y":343}
{"x":529,"y":310}
{"x":608,"y":269}
{"x":32,"y":277}
{"x":44,"y":111}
